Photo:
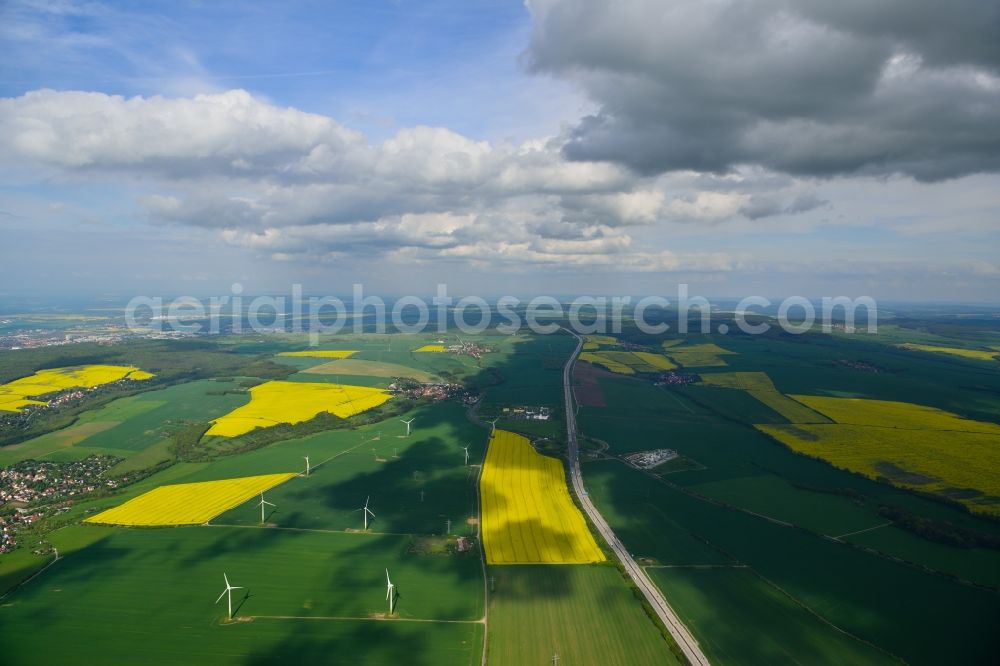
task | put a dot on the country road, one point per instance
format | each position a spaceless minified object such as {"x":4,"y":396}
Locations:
{"x":652,"y":593}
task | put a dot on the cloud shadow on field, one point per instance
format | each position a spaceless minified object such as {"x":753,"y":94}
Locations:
{"x":368,"y":642}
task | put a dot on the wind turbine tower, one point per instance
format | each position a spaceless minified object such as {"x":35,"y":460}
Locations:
{"x":263,"y":503}
{"x":228,"y":592}
{"x":307,"y":464}
{"x":365,"y":511}
{"x":466,"y":449}
{"x":390,"y":592}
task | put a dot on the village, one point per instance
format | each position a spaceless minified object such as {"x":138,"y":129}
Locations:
{"x":33,"y":489}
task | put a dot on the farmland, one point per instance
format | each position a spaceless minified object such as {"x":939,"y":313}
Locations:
{"x":17,"y":394}
{"x":829,"y":579}
{"x":293,"y":402}
{"x":371,"y":369}
{"x":581,"y":613}
{"x":431,"y":348}
{"x":705,"y":355}
{"x":976,"y":354}
{"x":760,"y":386}
{"x":415,"y":483}
{"x":734,"y":613}
{"x":628,"y":363}
{"x":593,"y":342}
{"x":330,"y":595}
{"x":768,"y":555}
{"x":187,"y":503}
{"x":528,"y":516}
{"x":320,"y":353}
{"x":136,"y":427}
{"x":733,"y":566}
{"x":910,"y":445}
{"x":307,"y":595}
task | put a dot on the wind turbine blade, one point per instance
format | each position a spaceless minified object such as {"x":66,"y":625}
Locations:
{"x":225,"y":578}
{"x":236,"y":588}
{"x":222,"y":595}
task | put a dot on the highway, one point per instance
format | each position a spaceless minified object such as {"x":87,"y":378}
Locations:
{"x":652,"y":593}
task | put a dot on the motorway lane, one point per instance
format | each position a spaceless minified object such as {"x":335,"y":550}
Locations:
{"x":652,"y":593}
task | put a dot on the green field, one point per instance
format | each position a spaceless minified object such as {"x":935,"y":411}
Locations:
{"x":128,"y":426}
{"x":741,"y":620}
{"x":739,"y":466}
{"x":17,"y":566}
{"x":527,"y":371}
{"x":582,"y":613}
{"x":760,"y":386}
{"x":978,"y":565}
{"x":430,"y":461}
{"x":874,"y":598}
{"x":359,"y":366}
{"x":130,"y":596}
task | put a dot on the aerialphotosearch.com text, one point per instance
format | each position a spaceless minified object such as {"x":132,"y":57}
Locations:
{"x":585,"y":315}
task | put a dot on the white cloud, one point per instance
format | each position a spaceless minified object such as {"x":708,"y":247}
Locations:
{"x":288,"y":183}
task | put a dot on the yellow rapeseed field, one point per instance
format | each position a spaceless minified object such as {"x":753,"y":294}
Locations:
{"x":187,"y":503}
{"x":892,"y":414}
{"x":705,"y":355}
{"x":955,"y":351}
{"x":528,"y":515}
{"x":432,"y":348}
{"x":15,"y":395}
{"x":277,"y":402}
{"x":601,"y":359}
{"x":628,"y":363}
{"x":914,"y":446}
{"x":322,"y":353}
{"x":599,"y":340}
{"x":657,"y":361}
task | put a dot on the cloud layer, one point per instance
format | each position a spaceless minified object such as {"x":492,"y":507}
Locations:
{"x":806,"y":87}
{"x":722,"y":137}
{"x":296,"y":184}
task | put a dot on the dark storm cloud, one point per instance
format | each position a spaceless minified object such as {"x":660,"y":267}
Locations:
{"x":812,"y":88}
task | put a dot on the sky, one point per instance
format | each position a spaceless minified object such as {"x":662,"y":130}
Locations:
{"x":776,"y":147}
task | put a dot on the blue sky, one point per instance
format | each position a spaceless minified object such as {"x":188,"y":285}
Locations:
{"x":372,"y":65}
{"x":177,"y":147}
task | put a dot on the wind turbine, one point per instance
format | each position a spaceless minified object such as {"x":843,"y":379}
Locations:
{"x":307,"y":464}
{"x":366,"y":512}
{"x":466,"y":449}
{"x":262,"y":503}
{"x":407,"y":425}
{"x":494,"y":422}
{"x":228,"y":591}
{"x":390,"y":592}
